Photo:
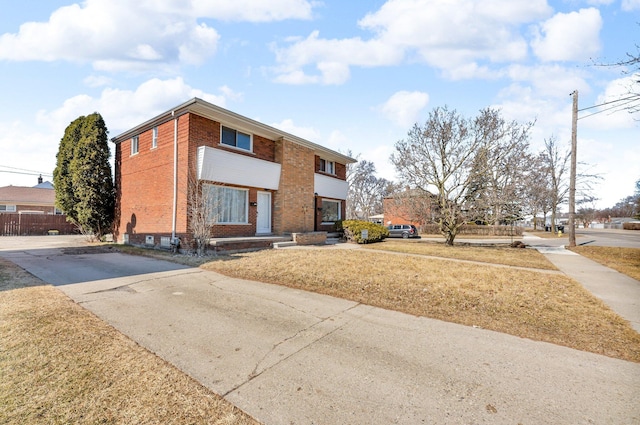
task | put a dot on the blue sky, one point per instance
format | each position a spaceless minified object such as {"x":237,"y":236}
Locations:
{"x":350,"y":75}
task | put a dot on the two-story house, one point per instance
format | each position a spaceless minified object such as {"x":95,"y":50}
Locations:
{"x":265,"y":181}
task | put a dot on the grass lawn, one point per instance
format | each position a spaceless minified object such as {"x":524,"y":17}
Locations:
{"x":529,"y":304}
{"x":624,"y":260}
{"x":496,"y":255}
{"x":60,"y":364}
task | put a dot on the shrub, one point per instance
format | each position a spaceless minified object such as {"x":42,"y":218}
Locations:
{"x":631,"y":225}
{"x":353,"y":231}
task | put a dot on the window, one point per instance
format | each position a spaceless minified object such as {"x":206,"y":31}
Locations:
{"x":231,"y":137}
{"x":154,"y":138}
{"x":328,"y":167}
{"x":134,"y":145}
{"x":330,"y":211}
{"x":7,"y":208}
{"x":228,"y":205}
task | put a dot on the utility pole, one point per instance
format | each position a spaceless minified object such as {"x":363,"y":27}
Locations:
{"x":572,"y":177}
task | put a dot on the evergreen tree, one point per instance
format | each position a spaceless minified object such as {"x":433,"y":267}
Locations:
{"x":82,"y":178}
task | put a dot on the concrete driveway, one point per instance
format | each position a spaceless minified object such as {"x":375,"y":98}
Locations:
{"x":291,"y":357}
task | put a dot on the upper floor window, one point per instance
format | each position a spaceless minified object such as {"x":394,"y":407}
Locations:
{"x":134,"y":145}
{"x":328,"y":167}
{"x":7,"y":208}
{"x":235,"y":138}
{"x":154,"y":138}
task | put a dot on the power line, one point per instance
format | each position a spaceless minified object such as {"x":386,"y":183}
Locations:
{"x":23,"y":171}
{"x":633,"y":100}
{"x":635,"y":96}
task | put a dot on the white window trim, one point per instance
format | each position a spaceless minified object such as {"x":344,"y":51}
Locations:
{"x":135,"y":145}
{"x":328,"y":164}
{"x":154,"y":137}
{"x":9,"y":208}
{"x":236,"y":147}
{"x":335,"y":201}
{"x":246,"y":210}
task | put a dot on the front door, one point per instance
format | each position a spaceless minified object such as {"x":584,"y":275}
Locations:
{"x":263,"y":212}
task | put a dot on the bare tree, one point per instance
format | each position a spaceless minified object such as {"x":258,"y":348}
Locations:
{"x":202,"y":211}
{"x":498,"y":190}
{"x":366,"y":191}
{"x":557,"y":170}
{"x":445,"y":156}
{"x":536,"y":190}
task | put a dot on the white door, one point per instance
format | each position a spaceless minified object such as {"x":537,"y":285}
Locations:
{"x":263,"y":212}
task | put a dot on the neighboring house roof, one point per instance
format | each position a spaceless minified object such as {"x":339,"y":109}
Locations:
{"x":228,"y":118}
{"x":27,"y":195}
{"x":410,"y":193}
{"x":44,"y":185}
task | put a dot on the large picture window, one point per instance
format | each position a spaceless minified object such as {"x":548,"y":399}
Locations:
{"x":228,"y":205}
{"x":236,"y":138}
{"x":330,"y":211}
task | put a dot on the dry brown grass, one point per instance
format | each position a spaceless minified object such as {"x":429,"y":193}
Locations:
{"x":624,"y":260}
{"x":529,"y":304}
{"x":59,"y":364}
{"x":495,"y":255}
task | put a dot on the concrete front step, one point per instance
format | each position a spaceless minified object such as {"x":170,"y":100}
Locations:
{"x":277,"y":245}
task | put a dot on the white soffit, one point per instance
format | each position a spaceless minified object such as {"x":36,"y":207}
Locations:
{"x":226,"y":167}
{"x":330,"y":187}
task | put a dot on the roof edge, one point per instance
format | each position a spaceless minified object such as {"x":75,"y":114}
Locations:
{"x":201,"y":107}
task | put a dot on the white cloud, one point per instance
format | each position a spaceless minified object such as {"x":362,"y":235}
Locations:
{"x":569,"y":36}
{"x":550,"y":80}
{"x":97,"y":80}
{"x":630,"y":5}
{"x":612,"y":114}
{"x":123,"y":109}
{"x":253,"y":10}
{"x":451,"y":36}
{"x":117,"y":35}
{"x":332,"y":58}
{"x":307,"y":133}
{"x":404,"y":107}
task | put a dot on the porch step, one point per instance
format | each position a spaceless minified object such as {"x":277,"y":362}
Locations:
{"x":277,"y":245}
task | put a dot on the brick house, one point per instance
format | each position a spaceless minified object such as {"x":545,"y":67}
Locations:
{"x":411,"y":206}
{"x":39,"y":199}
{"x":267,"y":181}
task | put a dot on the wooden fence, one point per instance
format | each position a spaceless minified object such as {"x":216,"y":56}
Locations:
{"x":472,"y":229}
{"x":16,"y":224}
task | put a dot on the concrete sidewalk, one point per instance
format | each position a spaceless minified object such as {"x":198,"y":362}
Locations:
{"x":620,"y":292}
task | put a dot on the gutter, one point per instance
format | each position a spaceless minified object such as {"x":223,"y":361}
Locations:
{"x":175,"y":177}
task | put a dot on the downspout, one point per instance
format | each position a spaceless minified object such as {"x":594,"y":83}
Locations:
{"x":175,"y":176}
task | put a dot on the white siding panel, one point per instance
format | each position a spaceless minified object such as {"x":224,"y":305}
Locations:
{"x":330,"y":187}
{"x":226,"y":167}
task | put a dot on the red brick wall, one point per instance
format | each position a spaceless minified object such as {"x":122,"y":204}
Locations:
{"x":144,"y":184}
{"x":293,"y":203}
{"x":399,"y":211}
